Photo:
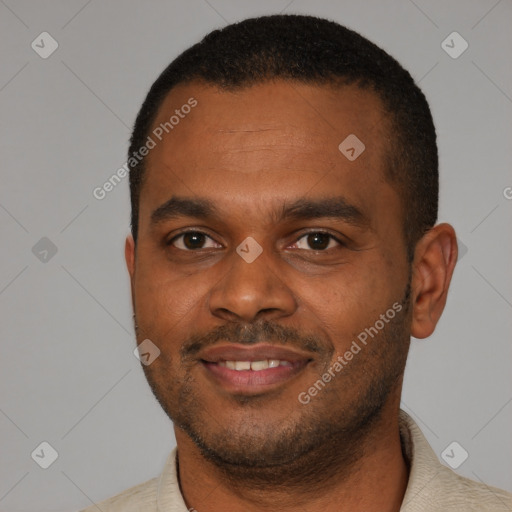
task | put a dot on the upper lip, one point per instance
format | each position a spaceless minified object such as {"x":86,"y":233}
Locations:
{"x":257,"y":352}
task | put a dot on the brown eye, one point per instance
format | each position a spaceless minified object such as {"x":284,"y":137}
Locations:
{"x":193,"y":240}
{"x":316,"y":241}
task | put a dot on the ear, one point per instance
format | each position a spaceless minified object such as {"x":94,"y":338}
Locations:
{"x":129,"y":256}
{"x":435,"y":257}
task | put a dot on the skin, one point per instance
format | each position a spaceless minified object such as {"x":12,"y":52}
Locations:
{"x":249,"y":153}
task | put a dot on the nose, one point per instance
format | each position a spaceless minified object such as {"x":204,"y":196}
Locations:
{"x":251,"y":291}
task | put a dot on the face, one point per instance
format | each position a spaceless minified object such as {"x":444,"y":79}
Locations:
{"x":263,"y":255}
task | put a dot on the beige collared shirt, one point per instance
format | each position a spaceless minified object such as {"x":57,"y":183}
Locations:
{"x":432,"y":487}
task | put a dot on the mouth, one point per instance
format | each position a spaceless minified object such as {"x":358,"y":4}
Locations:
{"x":252,"y":370}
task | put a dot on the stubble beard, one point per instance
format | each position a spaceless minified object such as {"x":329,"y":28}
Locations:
{"x":320,"y":443}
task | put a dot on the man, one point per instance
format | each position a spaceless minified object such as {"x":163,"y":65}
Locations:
{"x":284,"y":187}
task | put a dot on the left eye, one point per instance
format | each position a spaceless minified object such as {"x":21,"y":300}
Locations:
{"x":318,"y":241}
{"x":193,"y":240}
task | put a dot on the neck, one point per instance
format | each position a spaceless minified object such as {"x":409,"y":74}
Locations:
{"x":375,"y":479}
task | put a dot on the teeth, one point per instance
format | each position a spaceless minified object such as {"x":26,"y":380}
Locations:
{"x":254,"y":365}
{"x":259,"y":365}
{"x":242,"y":365}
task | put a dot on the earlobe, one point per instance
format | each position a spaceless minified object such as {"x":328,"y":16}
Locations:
{"x":434,"y":261}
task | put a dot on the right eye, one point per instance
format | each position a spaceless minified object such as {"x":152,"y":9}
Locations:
{"x":192,"y":241}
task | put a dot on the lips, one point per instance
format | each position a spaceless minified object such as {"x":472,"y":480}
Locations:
{"x":249,"y":370}
{"x":255,"y":366}
{"x":252,"y":353}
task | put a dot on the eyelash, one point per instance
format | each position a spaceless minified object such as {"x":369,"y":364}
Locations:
{"x":198,"y":232}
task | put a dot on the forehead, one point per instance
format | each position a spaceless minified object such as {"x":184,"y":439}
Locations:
{"x":271,"y":140}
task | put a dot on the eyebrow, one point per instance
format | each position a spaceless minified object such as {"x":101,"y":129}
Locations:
{"x":300,"y":209}
{"x":183,"y":207}
{"x":331,"y":207}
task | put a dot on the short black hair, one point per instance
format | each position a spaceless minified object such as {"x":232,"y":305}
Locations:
{"x":315,"y":51}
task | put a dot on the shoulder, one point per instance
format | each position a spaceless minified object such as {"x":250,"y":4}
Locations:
{"x":159,"y":493}
{"x":449,"y":492}
{"x":475,"y":496}
{"x":141,"y":497}
{"x":434,"y":487}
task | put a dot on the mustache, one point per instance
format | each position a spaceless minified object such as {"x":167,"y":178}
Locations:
{"x":250,"y":334}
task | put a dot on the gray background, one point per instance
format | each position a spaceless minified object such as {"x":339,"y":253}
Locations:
{"x":68,"y":375}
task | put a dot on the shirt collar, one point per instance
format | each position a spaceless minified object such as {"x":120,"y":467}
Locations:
{"x":423,"y":464}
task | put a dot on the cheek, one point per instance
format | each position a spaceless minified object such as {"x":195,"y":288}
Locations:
{"x":164,"y":301}
{"x":348,"y":300}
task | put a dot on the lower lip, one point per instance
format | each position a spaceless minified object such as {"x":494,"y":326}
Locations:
{"x":250,"y":381}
